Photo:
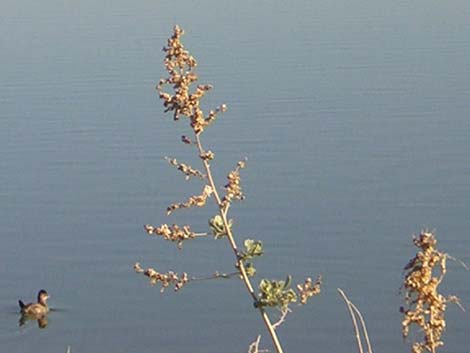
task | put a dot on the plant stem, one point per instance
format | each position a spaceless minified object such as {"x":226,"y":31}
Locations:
{"x":353,"y":311}
{"x":223,"y":211}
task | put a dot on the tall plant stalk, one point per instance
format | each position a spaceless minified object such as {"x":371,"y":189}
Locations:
{"x":184,"y":102}
{"x":223,"y":211}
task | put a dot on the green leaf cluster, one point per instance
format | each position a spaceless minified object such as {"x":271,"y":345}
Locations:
{"x":276,"y":293}
{"x":217,"y":226}
{"x":250,"y":269}
{"x":253,"y":248}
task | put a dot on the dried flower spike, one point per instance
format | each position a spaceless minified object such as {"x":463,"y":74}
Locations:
{"x":180,"y":64}
{"x":165,"y":279}
{"x":425,"y":305}
{"x":187,"y":170}
{"x":173,"y":233}
{"x":195,"y":200}
{"x":233,"y":189}
{"x":309,"y":289}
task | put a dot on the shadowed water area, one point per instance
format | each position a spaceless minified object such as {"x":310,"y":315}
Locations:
{"x":355,"y":120}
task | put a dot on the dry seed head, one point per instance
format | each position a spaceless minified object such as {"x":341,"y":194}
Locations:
{"x":195,"y":200}
{"x":172,"y":233}
{"x":207,"y":155}
{"x":186,"y":169}
{"x":184,"y":102}
{"x":233,"y":189}
{"x":425,"y":306}
{"x":165,"y":279}
{"x":309,"y":289}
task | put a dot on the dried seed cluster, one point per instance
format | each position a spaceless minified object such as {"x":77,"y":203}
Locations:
{"x":180,"y":64}
{"x":166,"y":279}
{"x":195,"y":200}
{"x":425,"y":306}
{"x":233,"y":189}
{"x":309,"y":289}
{"x":173,"y":233}
{"x":187,"y":170}
{"x":207,"y":155}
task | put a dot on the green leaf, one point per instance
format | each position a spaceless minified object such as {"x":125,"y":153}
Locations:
{"x":252,"y":248}
{"x":276,"y":293}
{"x":288,"y":282}
{"x":250,"y":269}
{"x":217,"y":226}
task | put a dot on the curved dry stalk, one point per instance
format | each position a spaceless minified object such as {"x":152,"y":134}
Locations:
{"x":364,"y":328}
{"x":354,"y":312}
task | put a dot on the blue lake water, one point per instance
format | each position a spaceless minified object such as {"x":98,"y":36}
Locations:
{"x":355,"y":119}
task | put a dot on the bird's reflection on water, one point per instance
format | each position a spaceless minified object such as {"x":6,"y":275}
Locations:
{"x":42,"y":320}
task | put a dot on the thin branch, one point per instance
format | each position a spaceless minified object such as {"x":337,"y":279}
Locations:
{"x":216,"y":275}
{"x":282,"y":318}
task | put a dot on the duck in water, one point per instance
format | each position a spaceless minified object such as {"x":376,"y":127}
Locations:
{"x":35,"y":311}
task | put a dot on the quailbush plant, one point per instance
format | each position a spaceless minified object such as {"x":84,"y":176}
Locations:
{"x":183,"y":102}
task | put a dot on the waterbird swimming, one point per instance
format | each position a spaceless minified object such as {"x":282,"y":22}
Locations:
{"x":36,"y":309}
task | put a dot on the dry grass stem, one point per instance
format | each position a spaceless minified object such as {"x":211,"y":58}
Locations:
{"x":355,"y":314}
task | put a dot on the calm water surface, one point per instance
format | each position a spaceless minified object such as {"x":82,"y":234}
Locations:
{"x":355,"y":120}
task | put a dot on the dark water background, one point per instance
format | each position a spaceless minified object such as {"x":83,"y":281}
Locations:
{"x":354,"y":116}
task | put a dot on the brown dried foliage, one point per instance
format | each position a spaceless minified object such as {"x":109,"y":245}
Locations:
{"x":425,"y":305}
{"x":233,"y":189}
{"x":180,"y":64}
{"x":195,"y":200}
{"x":173,"y":233}
{"x":309,"y":289}
{"x":186,"y":169}
{"x":165,"y":279}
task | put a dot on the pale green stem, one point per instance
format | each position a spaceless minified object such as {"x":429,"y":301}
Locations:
{"x":223,"y":210}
